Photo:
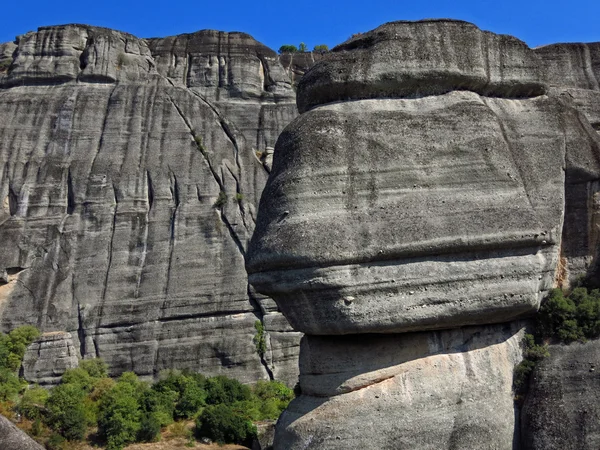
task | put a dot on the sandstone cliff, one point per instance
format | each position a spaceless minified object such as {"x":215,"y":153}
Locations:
{"x":437,"y":179}
{"x":129,"y":174}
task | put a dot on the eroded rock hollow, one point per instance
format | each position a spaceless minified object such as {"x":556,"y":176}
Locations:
{"x":437,"y":181}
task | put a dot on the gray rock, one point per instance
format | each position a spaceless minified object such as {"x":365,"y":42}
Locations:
{"x":432,"y":390}
{"x":561,"y":409}
{"x":113,"y":154}
{"x":392,"y":215}
{"x":429,"y":57}
{"x":12,"y":438}
{"x":47,"y":359}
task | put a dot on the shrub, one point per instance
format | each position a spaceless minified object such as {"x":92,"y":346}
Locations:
{"x":321,"y":48}
{"x":10,"y":385}
{"x":56,"y":442}
{"x":33,"y":402}
{"x":221,"y":389}
{"x":259,"y":338}
{"x":13,"y":346}
{"x":78,"y":377}
{"x":239,"y":197}
{"x":160,"y":404}
{"x":302,"y":47}
{"x":221,"y":200}
{"x":96,"y":367}
{"x":575,"y":317}
{"x":65,"y":411}
{"x":5,"y":64}
{"x":199,"y":144}
{"x":288,"y":49}
{"x":149,"y":428}
{"x":221,"y":423}
{"x":119,"y":417}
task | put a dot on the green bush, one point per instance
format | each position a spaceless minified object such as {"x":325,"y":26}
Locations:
{"x":33,"y":402}
{"x":259,"y":338}
{"x":10,"y":385}
{"x":96,"y":367}
{"x":79,"y":377}
{"x":56,"y":442}
{"x":14,"y":344}
{"x":150,"y":427}
{"x":119,"y":416}
{"x":65,"y":411}
{"x":223,"y":424}
{"x":221,"y":389}
{"x":221,"y":200}
{"x":274,"y":397}
{"x":575,"y":317}
{"x":302,"y":47}
{"x":321,"y":48}
{"x":288,"y":49}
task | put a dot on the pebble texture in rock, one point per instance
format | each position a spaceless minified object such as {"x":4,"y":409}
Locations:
{"x":129,"y":174}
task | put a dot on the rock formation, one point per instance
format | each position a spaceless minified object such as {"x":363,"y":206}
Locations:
{"x":423,"y":187}
{"x":15,"y":439}
{"x":561,"y":409}
{"x":129,"y":174}
{"x":47,"y":359}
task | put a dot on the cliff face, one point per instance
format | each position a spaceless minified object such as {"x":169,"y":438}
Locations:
{"x":129,"y":174}
{"x":435,"y":186}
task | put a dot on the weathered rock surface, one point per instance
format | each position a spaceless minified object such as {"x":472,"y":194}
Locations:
{"x":12,"y":438}
{"x":47,"y":359}
{"x":297,"y":64}
{"x":113,"y":153}
{"x":429,"y":57}
{"x":431,"y":390}
{"x":435,"y":179}
{"x":561,"y":410}
{"x":392,"y":215}
{"x":573,"y":72}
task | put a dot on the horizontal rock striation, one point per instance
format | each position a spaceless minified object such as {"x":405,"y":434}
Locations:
{"x":129,"y":171}
{"x":436,"y":179}
{"x":429,"y":57}
{"x":49,"y":357}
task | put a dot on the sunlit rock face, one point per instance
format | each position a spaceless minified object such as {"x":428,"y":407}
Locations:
{"x":113,"y":153}
{"x":390,"y":209}
{"x":432,"y":191}
{"x":436,"y":390}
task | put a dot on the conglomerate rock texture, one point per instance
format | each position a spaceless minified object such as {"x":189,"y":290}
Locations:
{"x":129,"y":174}
{"x":436,"y":179}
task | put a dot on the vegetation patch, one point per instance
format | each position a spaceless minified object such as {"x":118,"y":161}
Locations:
{"x":221,"y":200}
{"x":88,"y":406}
{"x":562,"y":318}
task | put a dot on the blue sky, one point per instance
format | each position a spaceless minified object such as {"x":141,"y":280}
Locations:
{"x":313,"y":22}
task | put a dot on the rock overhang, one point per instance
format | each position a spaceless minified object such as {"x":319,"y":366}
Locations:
{"x":433,"y":204}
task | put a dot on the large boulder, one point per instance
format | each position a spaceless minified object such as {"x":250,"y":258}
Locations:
{"x":391,"y":215}
{"x":434,"y":180}
{"x":431,"y":390}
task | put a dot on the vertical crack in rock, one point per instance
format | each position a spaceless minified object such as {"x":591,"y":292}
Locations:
{"x":511,"y":152}
{"x":226,"y":126}
{"x":13,"y":202}
{"x":110,"y":255}
{"x":150,"y":190}
{"x":80,"y":332}
{"x":70,"y":194}
{"x":175,"y":198}
{"x":260,"y":316}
